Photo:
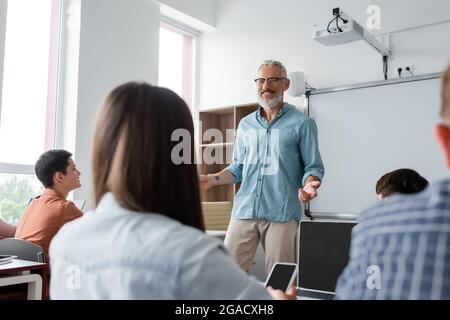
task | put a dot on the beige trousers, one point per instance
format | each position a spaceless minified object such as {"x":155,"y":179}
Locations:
{"x":278,"y":240}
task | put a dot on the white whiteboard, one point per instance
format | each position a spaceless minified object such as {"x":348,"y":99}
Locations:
{"x":365,"y":132}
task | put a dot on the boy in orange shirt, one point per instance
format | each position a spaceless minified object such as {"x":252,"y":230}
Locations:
{"x":47,"y":213}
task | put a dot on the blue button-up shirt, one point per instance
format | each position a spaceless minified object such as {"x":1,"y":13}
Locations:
{"x":116,"y":253}
{"x":272,"y":161}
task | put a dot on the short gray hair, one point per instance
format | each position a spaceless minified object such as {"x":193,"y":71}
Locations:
{"x":274,"y":63}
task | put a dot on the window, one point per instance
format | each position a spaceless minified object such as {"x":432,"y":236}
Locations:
{"x":29,"y":41}
{"x":176,"y":60}
{"x":16,"y":190}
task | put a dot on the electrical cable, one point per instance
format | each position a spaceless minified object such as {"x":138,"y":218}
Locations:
{"x":343,"y":20}
{"x":309,"y":87}
{"x":409,"y":70}
{"x":329,"y":23}
{"x":337,"y":24}
{"x":385,"y":67}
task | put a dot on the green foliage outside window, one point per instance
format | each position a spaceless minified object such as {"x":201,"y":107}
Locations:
{"x":15,"y":193}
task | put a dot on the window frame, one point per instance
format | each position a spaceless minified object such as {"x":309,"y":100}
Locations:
{"x":3,"y":13}
{"x":190,"y":39}
{"x":52,"y":79}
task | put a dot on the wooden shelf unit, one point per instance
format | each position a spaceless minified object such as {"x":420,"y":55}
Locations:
{"x":217,"y":201}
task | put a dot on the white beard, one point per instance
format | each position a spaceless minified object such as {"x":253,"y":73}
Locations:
{"x":272,"y":103}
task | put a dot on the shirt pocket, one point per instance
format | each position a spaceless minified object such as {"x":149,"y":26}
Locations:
{"x":287,"y":141}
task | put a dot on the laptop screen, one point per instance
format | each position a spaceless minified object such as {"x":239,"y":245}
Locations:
{"x":323,"y":253}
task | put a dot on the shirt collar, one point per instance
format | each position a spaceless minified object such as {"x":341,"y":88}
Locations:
{"x":107,"y":203}
{"x":48,"y":192}
{"x":282,"y":111}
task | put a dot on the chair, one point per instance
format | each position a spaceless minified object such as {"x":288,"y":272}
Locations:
{"x":24,"y":250}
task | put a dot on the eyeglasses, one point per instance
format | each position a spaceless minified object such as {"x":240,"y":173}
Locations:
{"x":271,"y":80}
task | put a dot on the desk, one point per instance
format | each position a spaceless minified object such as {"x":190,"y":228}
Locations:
{"x":217,"y":233}
{"x":18,"y":271}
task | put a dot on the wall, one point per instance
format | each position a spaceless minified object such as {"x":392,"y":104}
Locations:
{"x":201,"y":10}
{"x":417,"y":13}
{"x":247,"y":32}
{"x":118,"y":43}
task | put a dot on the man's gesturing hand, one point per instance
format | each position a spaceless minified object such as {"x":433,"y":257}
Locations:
{"x":205,"y":182}
{"x":309,"y":191}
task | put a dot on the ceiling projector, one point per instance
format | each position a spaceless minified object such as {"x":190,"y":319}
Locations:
{"x":343,"y":29}
{"x":350,"y":32}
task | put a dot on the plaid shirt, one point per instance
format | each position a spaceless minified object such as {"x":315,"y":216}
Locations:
{"x":401,"y":249}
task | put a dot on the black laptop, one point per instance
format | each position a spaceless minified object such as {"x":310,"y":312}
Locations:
{"x":324,"y":248}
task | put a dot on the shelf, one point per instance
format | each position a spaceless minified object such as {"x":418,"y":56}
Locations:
{"x":229,"y":109}
{"x":217,"y":202}
{"x":217,"y":145}
{"x":216,"y":233}
{"x":223,"y":193}
{"x":222,"y":122}
{"x":217,"y":111}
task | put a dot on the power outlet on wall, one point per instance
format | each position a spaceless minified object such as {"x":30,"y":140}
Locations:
{"x":407,"y":70}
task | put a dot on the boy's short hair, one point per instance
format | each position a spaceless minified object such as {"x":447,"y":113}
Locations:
{"x":50,"y":162}
{"x":406,"y":181}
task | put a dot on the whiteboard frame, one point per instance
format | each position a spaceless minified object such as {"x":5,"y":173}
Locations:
{"x":374,"y":84}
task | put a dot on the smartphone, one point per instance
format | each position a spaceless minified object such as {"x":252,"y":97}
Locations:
{"x":282,"y":276}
